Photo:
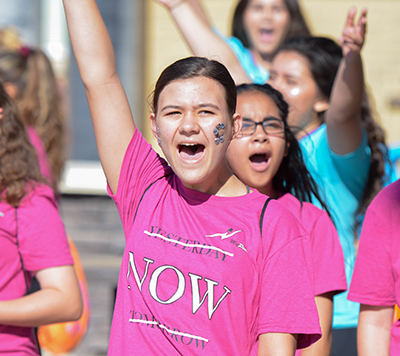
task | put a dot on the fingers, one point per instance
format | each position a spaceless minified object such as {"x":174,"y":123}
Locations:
{"x":354,"y":33}
{"x":350,"y":17}
{"x":362,"y":22}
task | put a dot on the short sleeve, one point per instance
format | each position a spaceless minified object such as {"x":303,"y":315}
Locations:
{"x":373,"y":282}
{"x":353,"y":168}
{"x":141,"y":167}
{"x":287,"y":302}
{"x":40,"y":232}
{"x":328,"y":259}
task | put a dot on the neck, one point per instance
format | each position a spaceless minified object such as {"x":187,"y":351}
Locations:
{"x":226,"y":184}
{"x":263,"y":60}
{"x":269,"y":191}
{"x":308,"y":129}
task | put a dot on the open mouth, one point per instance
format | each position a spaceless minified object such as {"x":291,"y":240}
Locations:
{"x":190,"y":151}
{"x":259,"y":161}
{"x":266,"y":34}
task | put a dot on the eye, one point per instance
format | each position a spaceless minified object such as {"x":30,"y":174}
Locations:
{"x":272,"y":76}
{"x":206,"y":112}
{"x":172,"y":113}
{"x":291,"y":81}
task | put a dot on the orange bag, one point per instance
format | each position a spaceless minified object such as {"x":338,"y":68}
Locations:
{"x":396,"y":313}
{"x":63,"y":337}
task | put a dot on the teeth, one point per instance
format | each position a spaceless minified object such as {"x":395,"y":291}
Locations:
{"x":188,"y":144}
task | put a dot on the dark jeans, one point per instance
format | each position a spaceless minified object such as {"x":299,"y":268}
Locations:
{"x":344,"y":342}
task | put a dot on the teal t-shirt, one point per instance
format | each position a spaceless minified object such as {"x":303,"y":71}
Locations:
{"x":341,"y":180}
{"x":255,"y":72}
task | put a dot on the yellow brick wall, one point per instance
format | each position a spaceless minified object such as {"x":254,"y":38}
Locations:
{"x":381,"y":53}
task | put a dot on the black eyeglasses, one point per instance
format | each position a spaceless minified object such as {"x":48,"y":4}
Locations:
{"x":271,"y":126}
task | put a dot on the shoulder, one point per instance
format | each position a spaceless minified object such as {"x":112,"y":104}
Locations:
{"x":38,"y":194}
{"x":387,"y":201}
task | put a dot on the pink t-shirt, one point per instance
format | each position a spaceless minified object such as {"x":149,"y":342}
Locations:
{"x":376,"y":278}
{"x":40,"y":235}
{"x":327,"y":254}
{"x":197,"y":277}
{"x":42,"y":155}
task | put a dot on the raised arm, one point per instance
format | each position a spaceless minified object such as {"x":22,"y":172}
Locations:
{"x":109,"y":108}
{"x":192,"y":22}
{"x":58,"y":300}
{"x":343,"y":118}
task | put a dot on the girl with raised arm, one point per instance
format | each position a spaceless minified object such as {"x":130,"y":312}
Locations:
{"x":32,"y":243}
{"x":259,"y":27}
{"x":343,"y":147}
{"x":267,"y":156}
{"x":203,"y":272}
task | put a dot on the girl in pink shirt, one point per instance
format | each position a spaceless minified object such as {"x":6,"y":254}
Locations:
{"x":32,"y":243}
{"x":203,"y":272}
{"x":266,"y":156}
{"x":29,"y":79}
{"x":376,"y":282}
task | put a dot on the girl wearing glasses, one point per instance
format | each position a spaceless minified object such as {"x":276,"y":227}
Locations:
{"x":203,"y":272}
{"x":267,"y":156}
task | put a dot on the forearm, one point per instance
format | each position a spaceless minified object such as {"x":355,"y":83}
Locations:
{"x":373,"y":332}
{"x":203,"y":41}
{"x":347,"y":93}
{"x":277,"y":344}
{"x":109,"y":107}
{"x":90,"y":41}
{"x":56,"y":302}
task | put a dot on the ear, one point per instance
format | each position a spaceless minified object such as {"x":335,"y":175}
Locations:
{"x":321,"y":105}
{"x":237,"y":122}
{"x":11,"y":89}
{"x":153,"y":125}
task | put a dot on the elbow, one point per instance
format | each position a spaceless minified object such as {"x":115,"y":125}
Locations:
{"x":76,"y":309}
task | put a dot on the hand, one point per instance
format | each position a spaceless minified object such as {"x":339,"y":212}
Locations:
{"x":353,"y":36}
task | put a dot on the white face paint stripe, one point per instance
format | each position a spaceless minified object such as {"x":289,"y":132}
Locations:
{"x":187,"y":245}
{"x":168,"y":330}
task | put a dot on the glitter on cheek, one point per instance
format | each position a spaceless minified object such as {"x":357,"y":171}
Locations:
{"x":295,"y":92}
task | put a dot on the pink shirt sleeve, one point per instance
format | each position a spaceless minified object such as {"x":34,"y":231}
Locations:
{"x":141,"y":167}
{"x":328,"y":259}
{"x":287,"y":297}
{"x":40,"y":232}
{"x":373,"y":278}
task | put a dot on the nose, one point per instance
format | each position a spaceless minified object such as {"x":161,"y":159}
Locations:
{"x":189,"y":125}
{"x":259,"y":136}
{"x":267,"y":12}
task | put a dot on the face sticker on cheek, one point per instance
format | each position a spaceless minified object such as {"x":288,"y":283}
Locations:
{"x":294,"y":92}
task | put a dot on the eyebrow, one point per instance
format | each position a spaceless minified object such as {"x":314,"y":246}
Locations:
{"x":204,"y":105}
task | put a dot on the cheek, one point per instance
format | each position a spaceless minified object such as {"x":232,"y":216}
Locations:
{"x":236,"y":153}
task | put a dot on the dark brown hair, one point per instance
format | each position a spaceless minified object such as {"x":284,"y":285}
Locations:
{"x":292,"y":176}
{"x":19,"y":167}
{"x":196,"y":67}
{"x":38,"y":100}
{"x":297,"y":24}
